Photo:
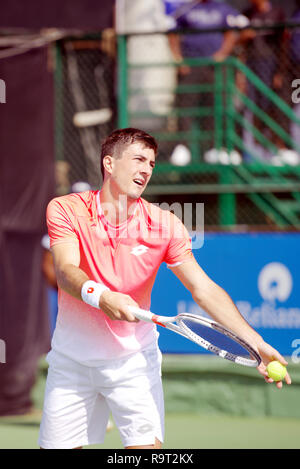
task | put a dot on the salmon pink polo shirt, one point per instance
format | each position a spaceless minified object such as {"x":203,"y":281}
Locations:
{"x":125,"y":258}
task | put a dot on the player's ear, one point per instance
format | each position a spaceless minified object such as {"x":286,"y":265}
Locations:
{"x":108,"y":163}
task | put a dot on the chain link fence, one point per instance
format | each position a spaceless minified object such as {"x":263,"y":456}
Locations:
{"x":85,"y":108}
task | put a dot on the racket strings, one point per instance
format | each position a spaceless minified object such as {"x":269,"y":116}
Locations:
{"x":216,"y":341}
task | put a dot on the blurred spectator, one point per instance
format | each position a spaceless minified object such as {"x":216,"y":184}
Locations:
{"x":266,"y":56}
{"x":265,"y":47}
{"x":203,"y":15}
{"x":136,"y":16}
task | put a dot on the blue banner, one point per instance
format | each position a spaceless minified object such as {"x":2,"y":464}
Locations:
{"x":261,"y":273}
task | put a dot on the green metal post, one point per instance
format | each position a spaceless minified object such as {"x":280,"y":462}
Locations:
{"x":218,"y":106}
{"x":123,"y":120}
{"x":227,"y":202}
{"x":230,"y":125}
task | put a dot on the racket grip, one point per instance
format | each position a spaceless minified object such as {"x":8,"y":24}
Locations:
{"x":141,"y":313}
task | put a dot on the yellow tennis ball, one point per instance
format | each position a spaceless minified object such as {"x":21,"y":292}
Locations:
{"x":276,"y":370}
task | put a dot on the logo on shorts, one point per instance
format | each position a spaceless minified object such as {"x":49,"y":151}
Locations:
{"x":91,"y":290}
{"x":138,"y":250}
{"x":147,"y":427}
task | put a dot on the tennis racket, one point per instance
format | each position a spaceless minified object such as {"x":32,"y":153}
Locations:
{"x":207,"y":333}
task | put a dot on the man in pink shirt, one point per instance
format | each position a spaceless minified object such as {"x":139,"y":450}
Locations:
{"x":108,"y":246}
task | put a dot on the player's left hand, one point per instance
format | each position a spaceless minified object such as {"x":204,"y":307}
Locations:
{"x":269,"y":354}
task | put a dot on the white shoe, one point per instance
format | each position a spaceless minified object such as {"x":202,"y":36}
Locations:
{"x":276,"y":161}
{"x":223,"y":157}
{"x":211,"y":156}
{"x":215,"y":156}
{"x":289,"y":157}
{"x":235,"y":157}
{"x":181,"y":155}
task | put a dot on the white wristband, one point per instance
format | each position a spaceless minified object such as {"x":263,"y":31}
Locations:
{"x":91,"y":292}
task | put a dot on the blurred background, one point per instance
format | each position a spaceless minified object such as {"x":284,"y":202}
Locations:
{"x":218,"y":84}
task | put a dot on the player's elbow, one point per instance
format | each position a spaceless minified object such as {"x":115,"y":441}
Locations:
{"x":62,"y":268}
{"x":199,"y":296}
{"x":69,"y":276}
{"x":61,"y":273}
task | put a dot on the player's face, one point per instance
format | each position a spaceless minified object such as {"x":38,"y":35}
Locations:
{"x":132,"y":171}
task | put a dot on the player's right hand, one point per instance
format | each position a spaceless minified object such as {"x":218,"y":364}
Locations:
{"x":269,"y":354}
{"x":115,"y":306}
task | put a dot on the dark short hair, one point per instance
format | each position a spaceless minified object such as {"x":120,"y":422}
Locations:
{"x":119,"y":139}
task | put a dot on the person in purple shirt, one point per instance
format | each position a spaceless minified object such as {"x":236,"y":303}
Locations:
{"x":202,"y":15}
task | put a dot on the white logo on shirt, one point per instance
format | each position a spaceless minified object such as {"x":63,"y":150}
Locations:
{"x":138,"y":250}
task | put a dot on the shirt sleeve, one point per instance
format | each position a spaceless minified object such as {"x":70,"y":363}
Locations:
{"x":60,"y":222}
{"x":180,"y":246}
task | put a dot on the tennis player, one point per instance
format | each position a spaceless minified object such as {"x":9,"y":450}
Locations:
{"x":108,"y":246}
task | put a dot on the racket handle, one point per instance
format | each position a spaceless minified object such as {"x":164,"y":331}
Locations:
{"x":141,"y":313}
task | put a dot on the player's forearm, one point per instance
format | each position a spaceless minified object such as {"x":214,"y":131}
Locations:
{"x":70,"y":278}
{"x":218,"y":304}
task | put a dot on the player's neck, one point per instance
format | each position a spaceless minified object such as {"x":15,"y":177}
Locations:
{"x":117,"y":208}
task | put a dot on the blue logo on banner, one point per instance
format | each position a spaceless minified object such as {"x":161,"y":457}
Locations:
{"x":275,"y":284}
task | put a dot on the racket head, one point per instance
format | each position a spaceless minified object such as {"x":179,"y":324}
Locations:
{"x":217,"y":339}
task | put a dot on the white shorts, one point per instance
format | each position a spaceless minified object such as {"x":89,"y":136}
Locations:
{"x":79,"y":399}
